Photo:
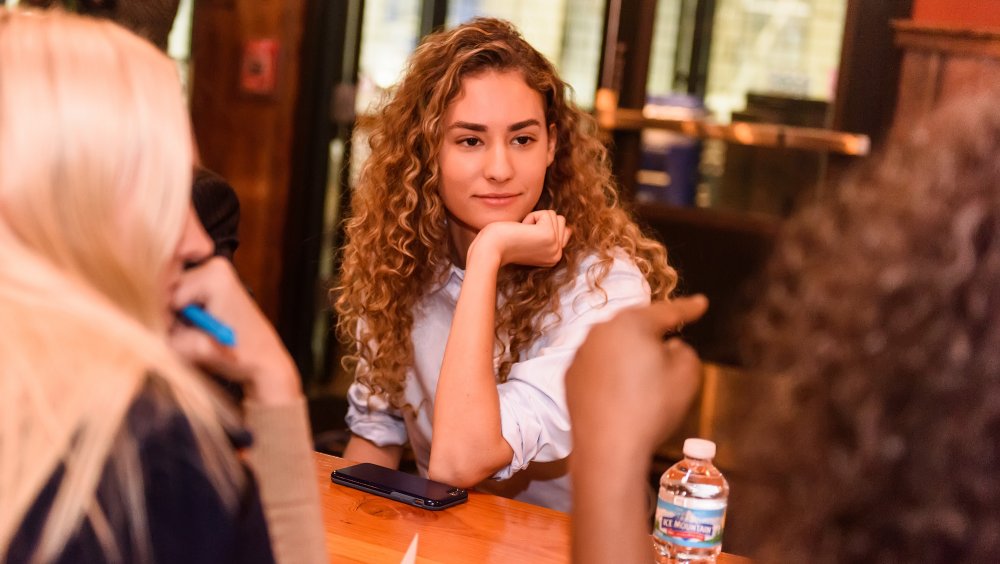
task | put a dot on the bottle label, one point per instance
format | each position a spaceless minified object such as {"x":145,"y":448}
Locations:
{"x":684,"y":526}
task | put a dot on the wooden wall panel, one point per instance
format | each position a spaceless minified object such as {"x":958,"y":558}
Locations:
{"x":917,"y":85}
{"x":941,"y":63}
{"x":964,"y":75}
{"x":248,"y":138}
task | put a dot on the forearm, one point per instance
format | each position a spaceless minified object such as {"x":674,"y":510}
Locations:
{"x":609,"y":504}
{"x":468,"y":445}
{"x":282,"y":460}
{"x":360,"y":449}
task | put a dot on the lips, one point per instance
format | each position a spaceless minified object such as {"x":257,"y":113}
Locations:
{"x":497,"y":198}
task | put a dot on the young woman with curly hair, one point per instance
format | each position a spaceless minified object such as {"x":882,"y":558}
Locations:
{"x":486,"y":239}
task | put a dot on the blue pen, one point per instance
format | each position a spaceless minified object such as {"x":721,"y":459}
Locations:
{"x":218,"y":330}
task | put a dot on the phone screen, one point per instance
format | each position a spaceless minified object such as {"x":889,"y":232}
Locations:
{"x":393,"y":484}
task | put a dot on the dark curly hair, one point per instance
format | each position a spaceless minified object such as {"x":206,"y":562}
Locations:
{"x":397,"y":244}
{"x":882,"y":311}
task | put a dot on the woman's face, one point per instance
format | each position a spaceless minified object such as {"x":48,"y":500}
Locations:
{"x":194,"y":247}
{"x":494,"y":153}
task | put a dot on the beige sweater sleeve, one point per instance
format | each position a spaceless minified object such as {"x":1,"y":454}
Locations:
{"x":282,"y":460}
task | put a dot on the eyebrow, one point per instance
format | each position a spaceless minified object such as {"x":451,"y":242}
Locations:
{"x":482,"y":128}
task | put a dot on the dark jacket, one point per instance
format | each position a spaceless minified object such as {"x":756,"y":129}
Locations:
{"x":188,"y":522}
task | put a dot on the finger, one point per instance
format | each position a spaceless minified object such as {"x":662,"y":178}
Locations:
{"x":202,"y":351}
{"x":548,"y":218}
{"x":685,"y":366}
{"x":684,"y":372}
{"x":560,"y":230}
{"x":680,"y":351}
{"x":196,"y":285}
{"x":191,"y":289}
{"x":552,"y":222}
{"x":567,"y":234}
{"x":534,"y":217}
{"x":668,"y":316}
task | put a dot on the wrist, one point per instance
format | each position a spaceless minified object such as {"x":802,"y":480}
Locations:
{"x":274,"y":384}
{"x":483,"y":253}
{"x":484,"y":260}
{"x":613,"y":452}
{"x":590,"y":471}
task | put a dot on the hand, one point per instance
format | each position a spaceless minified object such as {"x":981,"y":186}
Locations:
{"x":259,"y":361}
{"x":537,"y":241}
{"x":629,"y":389}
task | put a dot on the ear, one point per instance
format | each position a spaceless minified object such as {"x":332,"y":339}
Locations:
{"x":551,"y":154}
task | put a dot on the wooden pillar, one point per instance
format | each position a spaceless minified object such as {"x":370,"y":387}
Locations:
{"x":245,"y":57}
{"x":628,"y":35}
{"x":869,"y":68}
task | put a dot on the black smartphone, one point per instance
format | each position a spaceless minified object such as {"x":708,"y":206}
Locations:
{"x":400,"y":486}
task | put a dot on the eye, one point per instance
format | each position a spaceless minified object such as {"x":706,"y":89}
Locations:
{"x":469,"y":142}
{"x":522,"y":140}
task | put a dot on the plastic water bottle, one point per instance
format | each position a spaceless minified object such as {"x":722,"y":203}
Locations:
{"x":691,"y":510}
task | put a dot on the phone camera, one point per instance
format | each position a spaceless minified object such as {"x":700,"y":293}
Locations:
{"x":454,"y":491}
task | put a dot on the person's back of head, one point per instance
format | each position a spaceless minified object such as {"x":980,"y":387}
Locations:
{"x":151,"y":19}
{"x":95,"y":165}
{"x":94,"y":139}
{"x":882,"y":309}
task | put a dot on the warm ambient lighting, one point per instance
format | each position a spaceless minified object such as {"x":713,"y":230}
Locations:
{"x":744,"y":133}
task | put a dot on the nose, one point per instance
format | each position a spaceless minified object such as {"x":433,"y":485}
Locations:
{"x":195,"y":245}
{"x":499,"y":167}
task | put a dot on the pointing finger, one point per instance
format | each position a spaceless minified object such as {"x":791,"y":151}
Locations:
{"x":667,"y":316}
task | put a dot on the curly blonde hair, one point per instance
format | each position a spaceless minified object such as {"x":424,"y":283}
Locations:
{"x":882,"y":311}
{"x":397,"y":244}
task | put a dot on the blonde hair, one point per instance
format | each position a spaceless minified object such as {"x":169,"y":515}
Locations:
{"x":398,"y":246}
{"x":95,"y":165}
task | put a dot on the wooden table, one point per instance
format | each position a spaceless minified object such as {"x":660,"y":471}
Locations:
{"x":366,"y":528}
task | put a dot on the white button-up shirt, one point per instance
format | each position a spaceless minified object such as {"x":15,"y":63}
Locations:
{"x":533,"y":414}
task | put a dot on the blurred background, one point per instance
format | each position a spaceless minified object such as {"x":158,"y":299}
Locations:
{"x":721,"y":115}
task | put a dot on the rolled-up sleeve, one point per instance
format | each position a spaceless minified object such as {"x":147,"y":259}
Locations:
{"x":533,"y":415}
{"x":371,"y":417}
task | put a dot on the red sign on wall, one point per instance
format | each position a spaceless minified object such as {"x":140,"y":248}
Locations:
{"x":259,"y":67}
{"x":983,"y":14}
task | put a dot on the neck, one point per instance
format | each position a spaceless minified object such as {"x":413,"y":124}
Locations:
{"x":461,"y":238}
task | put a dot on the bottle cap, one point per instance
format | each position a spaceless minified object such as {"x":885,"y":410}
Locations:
{"x":701,"y":449}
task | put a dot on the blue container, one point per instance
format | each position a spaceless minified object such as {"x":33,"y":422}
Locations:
{"x":668,"y":163}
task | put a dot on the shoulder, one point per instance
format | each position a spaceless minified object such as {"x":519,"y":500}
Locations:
{"x":155,"y":417}
{"x":188,"y":517}
{"x":600,"y":280}
{"x":612,"y":273}
{"x":616,"y":261}
{"x":168,"y":450}
{"x":185,"y":515}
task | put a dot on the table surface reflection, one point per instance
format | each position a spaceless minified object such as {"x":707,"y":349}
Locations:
{"x":366,"y":528}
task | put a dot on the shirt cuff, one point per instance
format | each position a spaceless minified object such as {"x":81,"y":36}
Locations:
{"x":371,"y":418}
{"x":531,"y":437}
